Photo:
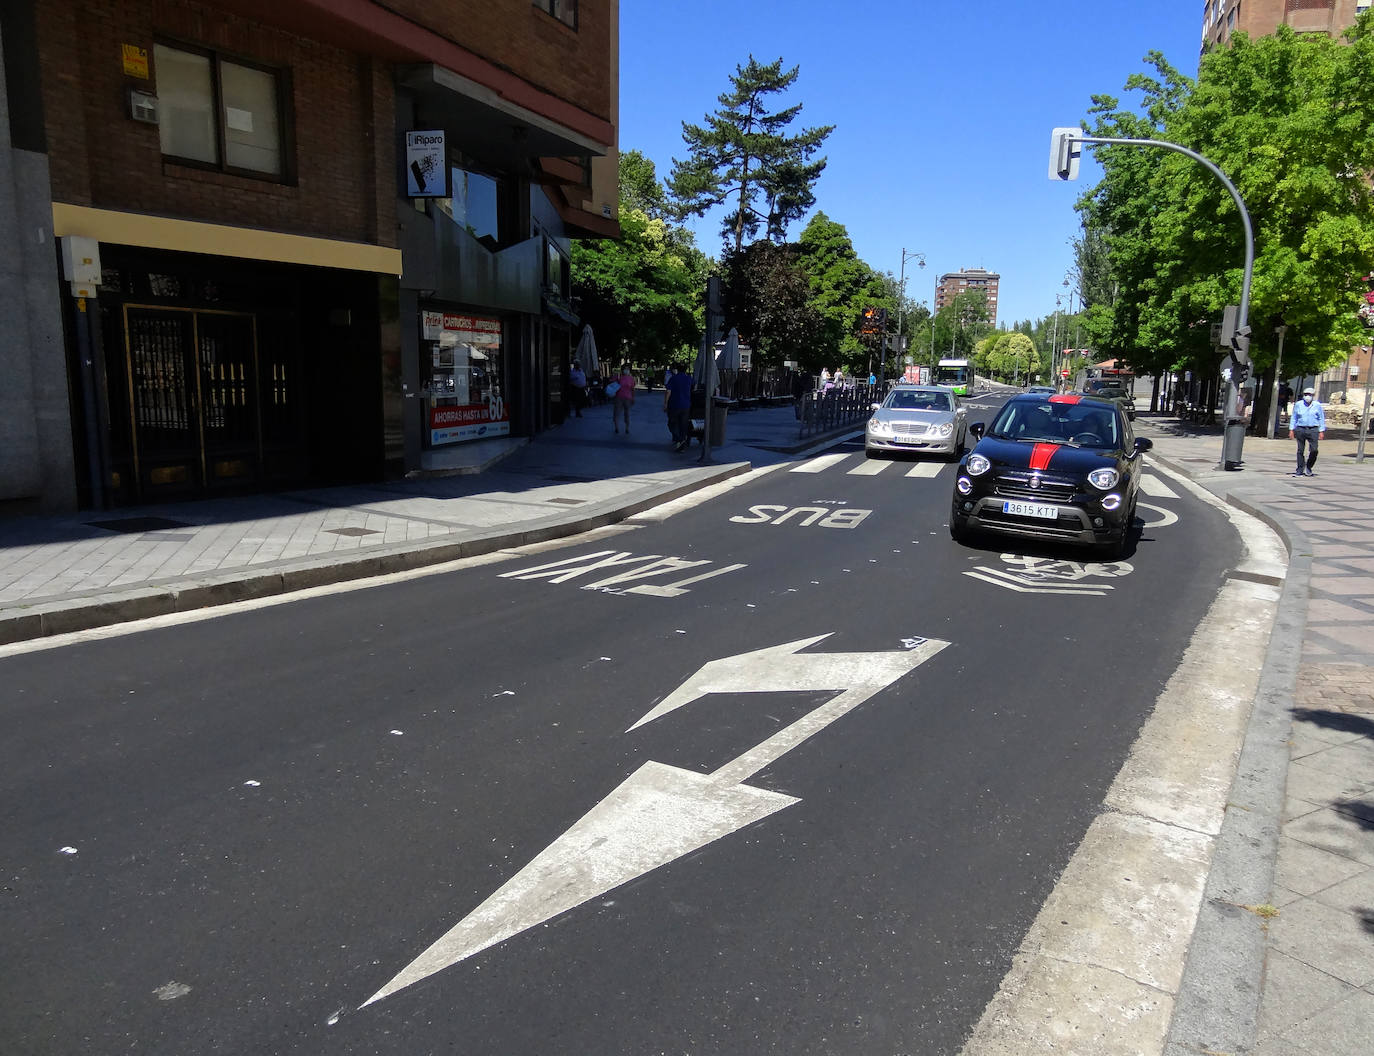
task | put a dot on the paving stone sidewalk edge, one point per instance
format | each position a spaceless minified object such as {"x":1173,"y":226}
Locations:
{"x":1217,"y":1006}
{"x":184,"y":594}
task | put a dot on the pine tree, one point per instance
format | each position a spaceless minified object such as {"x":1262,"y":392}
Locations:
{"x":743,"y":154}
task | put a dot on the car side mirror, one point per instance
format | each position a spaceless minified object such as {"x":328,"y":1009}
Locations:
{"x":1143,"y":443}
{"x":976,"y":429}
{"x":875,"y":406}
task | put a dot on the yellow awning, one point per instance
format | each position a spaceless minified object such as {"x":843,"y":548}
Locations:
{"x":221,"y":240}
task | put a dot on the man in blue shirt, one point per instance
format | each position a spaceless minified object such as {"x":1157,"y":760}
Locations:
{"x":1307,"y":425}
{"x":677,"y":401}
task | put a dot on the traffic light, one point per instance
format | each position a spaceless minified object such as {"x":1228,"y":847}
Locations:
{"x":1064,"y":154}
{"x":873,"y":321}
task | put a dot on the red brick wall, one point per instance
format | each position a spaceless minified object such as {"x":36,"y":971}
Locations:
{"x":573,"y":65}
{"x":342,"y":106}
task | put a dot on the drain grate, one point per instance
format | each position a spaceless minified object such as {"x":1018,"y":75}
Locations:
{"x":135,"y":525}
{"x":353,"y":532}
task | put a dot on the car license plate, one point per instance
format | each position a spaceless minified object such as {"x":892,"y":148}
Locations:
{"x":1031,"y":509}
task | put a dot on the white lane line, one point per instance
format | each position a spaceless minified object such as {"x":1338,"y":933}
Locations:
{"x":925,"y":469}
{"x":1156,"y":488}
{"x":820,"y":463}
{"x":869,"y":467}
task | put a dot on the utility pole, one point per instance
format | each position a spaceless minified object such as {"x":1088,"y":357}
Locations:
{"x":1274,"y":391}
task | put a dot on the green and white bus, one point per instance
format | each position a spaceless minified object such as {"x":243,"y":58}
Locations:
{"x":956,"y":373}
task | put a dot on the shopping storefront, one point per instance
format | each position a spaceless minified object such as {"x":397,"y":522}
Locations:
{"x":467,"y":381}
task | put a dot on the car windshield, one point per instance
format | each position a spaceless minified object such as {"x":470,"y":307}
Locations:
{"x":915,"y":400}
{"x":1040,"y":421}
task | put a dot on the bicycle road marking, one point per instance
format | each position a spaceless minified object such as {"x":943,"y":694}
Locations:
{"x":1156,"y":488}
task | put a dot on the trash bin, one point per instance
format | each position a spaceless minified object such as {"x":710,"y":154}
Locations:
{"x":1233,"y":443}
{"x":718,"y":411}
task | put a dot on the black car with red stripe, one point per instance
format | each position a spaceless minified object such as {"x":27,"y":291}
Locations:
{"x":1059,"y":467}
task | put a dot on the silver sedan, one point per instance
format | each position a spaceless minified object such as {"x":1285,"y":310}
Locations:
{"x":927,"y":418}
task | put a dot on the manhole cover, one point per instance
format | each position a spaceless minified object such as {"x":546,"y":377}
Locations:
{"x":133,"y":525}
{"x":352,"y":531}
{"x":568,"y":502}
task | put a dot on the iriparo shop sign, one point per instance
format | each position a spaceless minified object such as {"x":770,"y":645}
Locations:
{"x":426,"y":165}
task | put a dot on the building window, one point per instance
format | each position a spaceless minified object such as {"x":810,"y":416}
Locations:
{"x":476,"y":206}
{"x":563,"y":10}
{"x":220,"y":113}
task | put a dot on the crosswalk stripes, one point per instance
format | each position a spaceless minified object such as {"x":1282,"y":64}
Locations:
{"x":925,"y":469}
{"x":820,"y":463}
{"x":868,"y":468}
{"x":1156,"y":488}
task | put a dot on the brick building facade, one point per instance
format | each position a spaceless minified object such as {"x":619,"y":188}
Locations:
{"x":953,"y":283}
{"x":1258,"y":18}
{"x":268,"y":300}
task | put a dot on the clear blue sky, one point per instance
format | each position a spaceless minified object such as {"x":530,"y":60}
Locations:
{"x":942,"y":111}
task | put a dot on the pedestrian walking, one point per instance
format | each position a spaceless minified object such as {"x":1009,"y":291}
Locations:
{"x":624,"y":398}
{"x":1307,"y":426}
{"x":577,"y":381}
{"x":1285,"y":394}
{"x":677,"y":403}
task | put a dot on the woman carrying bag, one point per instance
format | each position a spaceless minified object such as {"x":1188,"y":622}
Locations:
{"x":623,"y":398}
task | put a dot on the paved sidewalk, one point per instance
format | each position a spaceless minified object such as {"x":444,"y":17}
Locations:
{"x":1282,"y":962}
{"x":67,"y":573}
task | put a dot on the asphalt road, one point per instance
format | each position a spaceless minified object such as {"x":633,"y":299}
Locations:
{"x":229,"y":835}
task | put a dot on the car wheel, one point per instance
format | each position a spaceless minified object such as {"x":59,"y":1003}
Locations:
{"x":870,"y":453}
{"x":1115,"y":549}
{"x":959,"y":530}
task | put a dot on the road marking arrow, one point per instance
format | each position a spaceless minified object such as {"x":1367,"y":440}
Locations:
{"x":661,"y":812}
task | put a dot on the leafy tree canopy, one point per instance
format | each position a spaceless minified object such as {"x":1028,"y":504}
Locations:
{"x":842,"y":285}
{"x":641,"y":293}
{"x":1291,"y":120}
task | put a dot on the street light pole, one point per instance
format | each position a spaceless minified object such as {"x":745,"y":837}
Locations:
{"x":1068,"y":140}
{"x":920,"y":259}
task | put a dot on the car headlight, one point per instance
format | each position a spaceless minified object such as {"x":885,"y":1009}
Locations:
{"x":976,"y":465}
{"x":944,"y":430}
{"x":878,"y":427}
{"x":1104,"y":479}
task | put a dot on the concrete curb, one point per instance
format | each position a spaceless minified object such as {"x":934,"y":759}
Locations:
{"x":185,"y":594}
{"x":1217,"y":1008}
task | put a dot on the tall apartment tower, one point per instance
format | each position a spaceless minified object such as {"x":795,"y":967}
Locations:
{"x":1258,"y":18}
{"x":953,"y":283}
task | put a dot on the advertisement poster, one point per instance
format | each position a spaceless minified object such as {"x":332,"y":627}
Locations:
{"x":467,"y":401}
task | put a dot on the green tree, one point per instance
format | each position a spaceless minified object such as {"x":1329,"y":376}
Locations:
{"x":744,"y":153}
{"x":842,"y":287}
{"x":640,"y":187}
{"x":1291,"y":120}
{"x":641,"y":293}
{"x":768,"y":299}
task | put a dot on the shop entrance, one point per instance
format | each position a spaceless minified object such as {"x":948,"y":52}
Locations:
{"x":199,"y":386}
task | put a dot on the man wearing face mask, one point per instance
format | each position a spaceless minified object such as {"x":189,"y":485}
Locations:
{"x":1307,"y":425}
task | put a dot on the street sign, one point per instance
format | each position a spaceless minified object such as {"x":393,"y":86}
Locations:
{"x":1063,"y":373}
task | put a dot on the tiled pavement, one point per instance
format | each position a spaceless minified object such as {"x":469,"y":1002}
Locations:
{"x":1296,"y":979}
{"x":1314,"y":982}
